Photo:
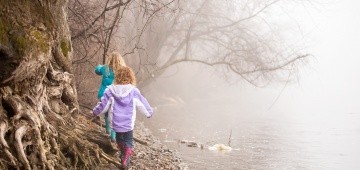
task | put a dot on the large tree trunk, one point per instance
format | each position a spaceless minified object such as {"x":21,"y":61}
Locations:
{"x":37,"y":94}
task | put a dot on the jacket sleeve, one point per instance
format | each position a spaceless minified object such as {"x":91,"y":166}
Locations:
{"x":143,"y":105}
{"x":98,"y":69}
{"x":104,"y":105}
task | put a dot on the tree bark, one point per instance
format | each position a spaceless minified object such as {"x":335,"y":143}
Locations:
{"x":38,"y":98}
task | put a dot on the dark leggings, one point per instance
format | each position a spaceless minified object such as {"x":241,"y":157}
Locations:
{"x":125,"y":138}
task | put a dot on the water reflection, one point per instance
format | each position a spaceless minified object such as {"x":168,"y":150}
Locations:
{"x":269,"y":141}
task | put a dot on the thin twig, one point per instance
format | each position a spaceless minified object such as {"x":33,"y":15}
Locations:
{"x":229,"y":142}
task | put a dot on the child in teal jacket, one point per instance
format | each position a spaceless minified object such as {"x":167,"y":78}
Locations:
{"x":113,"y":62}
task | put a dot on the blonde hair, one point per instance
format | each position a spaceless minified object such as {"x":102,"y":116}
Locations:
{"x":125,"y":75}
{"x":114,"y":61}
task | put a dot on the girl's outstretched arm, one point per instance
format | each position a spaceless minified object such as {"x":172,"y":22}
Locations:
{"x":104,"y":105}
{"x":143,"y":105}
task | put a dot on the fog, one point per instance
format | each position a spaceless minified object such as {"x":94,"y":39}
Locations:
{"x":318,"y":112}
{"x":328,"y":83}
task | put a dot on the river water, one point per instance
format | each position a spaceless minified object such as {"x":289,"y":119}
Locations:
{"x":266,"y":140}
{"x":267,"y":128}
{"x":260,"y":141}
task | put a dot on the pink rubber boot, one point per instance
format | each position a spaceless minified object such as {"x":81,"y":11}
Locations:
{"x":127,"y":157}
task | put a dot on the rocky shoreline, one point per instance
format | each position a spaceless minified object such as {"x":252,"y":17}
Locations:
{"x":149,"y":153}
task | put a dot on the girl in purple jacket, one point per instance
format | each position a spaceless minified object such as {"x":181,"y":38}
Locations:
{"x":113,"y":61}
{"x":121,"y":100}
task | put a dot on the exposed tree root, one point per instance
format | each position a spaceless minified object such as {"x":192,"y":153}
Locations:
{"x":43,"y":139}
{"x":41,"y":148}
{"x":19,"y":133}
{"x":111,"y":160}
{"x":38,"y":100}
{"x":5,"y":146}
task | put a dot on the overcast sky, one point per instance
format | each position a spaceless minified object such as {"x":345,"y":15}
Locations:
{"x":332,"y":79}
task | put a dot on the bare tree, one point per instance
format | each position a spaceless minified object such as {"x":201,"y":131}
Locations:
{"x":38,"y":99}
{"x":238,"y":38}
{"x":97,"y":28}
{"x":235,"y":37}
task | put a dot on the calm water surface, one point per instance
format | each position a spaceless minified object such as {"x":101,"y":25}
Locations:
{"x":260,"y":140}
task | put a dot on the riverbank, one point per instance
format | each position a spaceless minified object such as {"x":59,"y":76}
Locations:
{"x":149,"y":152}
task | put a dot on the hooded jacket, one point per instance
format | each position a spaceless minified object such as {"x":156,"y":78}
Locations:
{"x":121,"y":103}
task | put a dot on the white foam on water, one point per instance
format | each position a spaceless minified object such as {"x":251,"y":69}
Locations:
{"x":220,"y":147}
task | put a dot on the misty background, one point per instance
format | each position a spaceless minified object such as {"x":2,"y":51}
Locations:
{"x":309,"y":123}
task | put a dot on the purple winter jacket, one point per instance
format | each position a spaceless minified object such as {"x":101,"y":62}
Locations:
{"x":121,"y":102}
